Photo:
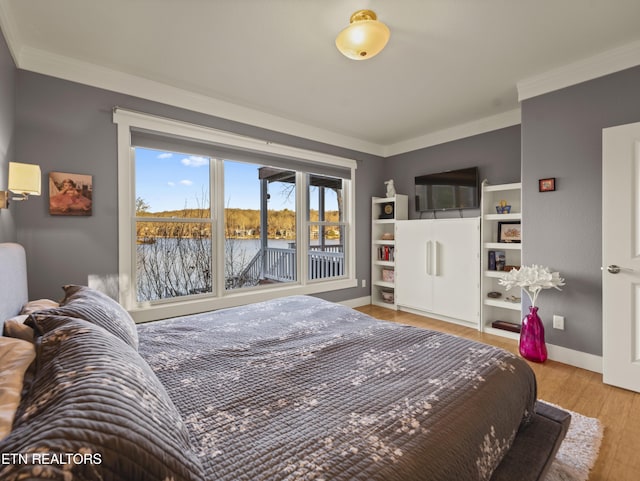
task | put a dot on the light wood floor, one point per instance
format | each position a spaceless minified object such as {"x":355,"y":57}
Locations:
{"x":570,"y":387}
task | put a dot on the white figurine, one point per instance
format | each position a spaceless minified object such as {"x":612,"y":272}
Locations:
{"x":391,"y":190}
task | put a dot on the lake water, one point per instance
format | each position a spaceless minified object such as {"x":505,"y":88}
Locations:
{"x":251,"y":246}
{"x":172,"y":267}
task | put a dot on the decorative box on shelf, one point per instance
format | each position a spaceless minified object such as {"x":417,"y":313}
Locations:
{"x":388,"y":275}
{"x":388,"y":295}
{"x":506,"y":326}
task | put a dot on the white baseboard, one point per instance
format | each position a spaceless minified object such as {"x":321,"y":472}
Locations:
{"x":438,"y":317}
{"x":357,"y":302}
{"x":583,"y":360}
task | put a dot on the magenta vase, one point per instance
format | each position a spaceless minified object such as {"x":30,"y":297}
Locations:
{"x":532,"y":346}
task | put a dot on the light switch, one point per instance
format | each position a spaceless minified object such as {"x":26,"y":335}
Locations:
{"x":558,"y":322}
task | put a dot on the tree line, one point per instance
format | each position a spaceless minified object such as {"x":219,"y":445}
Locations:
{"x":239,"y":223}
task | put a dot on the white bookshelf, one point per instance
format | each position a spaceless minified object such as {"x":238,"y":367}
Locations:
{"x":494,"y":309}
{"x":383,"y":249}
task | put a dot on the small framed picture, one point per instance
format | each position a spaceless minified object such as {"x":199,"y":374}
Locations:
{"x":547,"y":185}
{"x":386,"y":210}
{"x":70,"y":194}
{"x":509,"y":232}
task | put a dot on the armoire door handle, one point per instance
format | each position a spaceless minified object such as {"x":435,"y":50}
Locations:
{"x":436,"y":271}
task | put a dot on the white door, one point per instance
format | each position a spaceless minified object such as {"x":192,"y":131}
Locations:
{"x":621,"y":256}
{"x":456,"y":276}
{"x":414,"y":264}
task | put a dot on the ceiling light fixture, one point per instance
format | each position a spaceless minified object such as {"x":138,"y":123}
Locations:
{"x":364,"y":38}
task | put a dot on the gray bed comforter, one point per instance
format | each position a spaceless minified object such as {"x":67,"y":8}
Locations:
{"x":302,"y":389}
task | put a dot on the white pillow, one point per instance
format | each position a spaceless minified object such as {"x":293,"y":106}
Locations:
{"x":15,"y":357}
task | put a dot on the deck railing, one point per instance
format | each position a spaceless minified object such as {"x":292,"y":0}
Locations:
{"x":279,"y":265}
{"x":323,"y":264}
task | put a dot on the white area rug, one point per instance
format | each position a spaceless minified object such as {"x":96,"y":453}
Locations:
{"x":579,"y":450}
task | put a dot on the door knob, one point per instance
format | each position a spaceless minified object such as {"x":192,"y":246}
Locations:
{"x":614,"y":269}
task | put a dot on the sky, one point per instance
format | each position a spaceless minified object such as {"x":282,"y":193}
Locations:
{"x":173,"y":181}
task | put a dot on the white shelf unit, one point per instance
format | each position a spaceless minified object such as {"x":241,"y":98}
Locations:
{"x":494,"y":309}
{"x":383,"y":250}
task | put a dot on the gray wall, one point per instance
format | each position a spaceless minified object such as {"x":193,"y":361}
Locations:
{"x":7,"y":122}
{"x":67,"y":127}
{"x":562,"y":138}
{"x":496,"y":153}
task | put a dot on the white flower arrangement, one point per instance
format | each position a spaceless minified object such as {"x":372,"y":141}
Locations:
{"x":532,"y":279}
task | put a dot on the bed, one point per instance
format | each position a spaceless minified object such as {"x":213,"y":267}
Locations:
{"x":291,"y":389}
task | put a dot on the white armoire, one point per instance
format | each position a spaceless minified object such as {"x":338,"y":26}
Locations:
{"x":438,"y":268}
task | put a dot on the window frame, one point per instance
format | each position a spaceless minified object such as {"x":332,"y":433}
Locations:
{"x":342,"y":224}
{"x":126,"y":120}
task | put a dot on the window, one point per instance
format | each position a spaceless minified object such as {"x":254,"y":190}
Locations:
{"x":325,"y":217}
{"x":260,"y":225}
{"x":173,"y":225}
{"x":209,"y":219}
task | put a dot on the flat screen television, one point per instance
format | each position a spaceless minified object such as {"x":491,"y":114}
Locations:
{"x":453,"y":189}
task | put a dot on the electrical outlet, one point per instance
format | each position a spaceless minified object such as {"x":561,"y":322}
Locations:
{"x":364,"y":283}
{"x":558,"y":322}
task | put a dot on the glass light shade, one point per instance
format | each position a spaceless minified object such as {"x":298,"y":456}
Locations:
{"x":364,"y":38}
{"x":24,"y":178}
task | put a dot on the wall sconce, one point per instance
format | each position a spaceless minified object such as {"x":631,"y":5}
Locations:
{"x":24,"y":180}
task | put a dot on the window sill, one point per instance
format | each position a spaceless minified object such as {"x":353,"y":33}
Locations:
{"x":192,"y":306}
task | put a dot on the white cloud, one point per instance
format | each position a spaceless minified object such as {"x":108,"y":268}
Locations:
{"x":165,"y":155}
{"x":171,"y":184}
{"x":186,"y":182}
{"x":195,"y":161}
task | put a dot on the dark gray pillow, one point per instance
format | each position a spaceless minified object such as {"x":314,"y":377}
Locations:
{"x":91,"y":305}
{"x":95,"y":410}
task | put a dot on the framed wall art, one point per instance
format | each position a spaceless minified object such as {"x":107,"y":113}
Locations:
{"x":509,"y":232}
{"x":70,"y":194}
{"x":547,"y":185}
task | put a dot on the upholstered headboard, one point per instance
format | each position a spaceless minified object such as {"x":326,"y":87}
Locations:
{"x":13,"y":280}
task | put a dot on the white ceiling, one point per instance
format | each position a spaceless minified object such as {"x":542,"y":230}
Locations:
{"x":450,"y":64}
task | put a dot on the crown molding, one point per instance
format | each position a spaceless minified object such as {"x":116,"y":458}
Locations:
{"x":9,"y":30}
{"x":66,"y":68}
{"x":40,"y":61}
{"x":475,"y":127}
{"x":47,"y":63}
{"x":605,"y":63}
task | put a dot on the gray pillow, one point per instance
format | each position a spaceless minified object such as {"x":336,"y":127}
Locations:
{"x":93,"y":306}
{"x":95,"y":399}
